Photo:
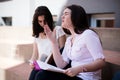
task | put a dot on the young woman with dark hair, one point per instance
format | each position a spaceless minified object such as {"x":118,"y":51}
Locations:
{"x":82,"y":48}
{"x":42,"y":48}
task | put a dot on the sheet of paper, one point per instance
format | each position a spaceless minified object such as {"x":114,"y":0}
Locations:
{"x":49,"y":67}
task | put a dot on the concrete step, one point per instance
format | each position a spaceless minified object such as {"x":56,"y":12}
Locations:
{"x":16,"y":50}
{"x":16,"y":33}
{"x":6,"y":63}
{"x":16,"y":42}
{"x":19,"y":72}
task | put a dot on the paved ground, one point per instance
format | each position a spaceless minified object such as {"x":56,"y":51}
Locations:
{"x":19,"y":72}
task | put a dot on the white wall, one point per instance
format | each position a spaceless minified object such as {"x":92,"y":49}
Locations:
{"x":54,"y":6}
{"x":22,"y":11}
{"x":18,"y":9}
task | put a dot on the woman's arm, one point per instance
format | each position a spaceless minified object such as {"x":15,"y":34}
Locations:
{"x":61,"y":41}
{"x":57,"y":56}
{"x":93,"y":66}
{"x":96,"y":65}
{"x":34,"y":55}
{"x":35,"y":52}
{"x":56,"y":51}
{"x":60,"y":36}
{"x":94,"y":47}
{"x":55,"y":45}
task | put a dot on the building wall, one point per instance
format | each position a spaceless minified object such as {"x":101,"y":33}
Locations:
{"x":54,"y":6}
{"x":22,"y":10}
{"x":99,"y":6}
{"x":110,"y":38}
{"x":19,"y":10}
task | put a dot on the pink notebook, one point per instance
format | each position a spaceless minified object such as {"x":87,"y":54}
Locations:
{"x":36,"y":65}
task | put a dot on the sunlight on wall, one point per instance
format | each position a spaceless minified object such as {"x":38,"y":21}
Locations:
{"x":54,"y":5}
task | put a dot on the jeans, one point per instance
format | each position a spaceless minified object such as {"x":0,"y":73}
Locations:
{"x":49,"y":75}
{"x":116,"y":76}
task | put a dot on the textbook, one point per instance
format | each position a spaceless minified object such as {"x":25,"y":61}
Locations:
{"x":45,"y":66}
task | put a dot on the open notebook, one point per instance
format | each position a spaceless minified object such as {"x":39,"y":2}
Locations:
{"x":45,"y":66}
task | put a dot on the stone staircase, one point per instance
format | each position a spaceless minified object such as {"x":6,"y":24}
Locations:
{"x":19,"y":72}
{"x":15,"y":51}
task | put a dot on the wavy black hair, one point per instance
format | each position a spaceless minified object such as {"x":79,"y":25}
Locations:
{"x":41,"y":11}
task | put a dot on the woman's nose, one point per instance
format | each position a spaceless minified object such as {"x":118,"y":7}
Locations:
{"x":62,"y":16}
{"x":42,"y":22}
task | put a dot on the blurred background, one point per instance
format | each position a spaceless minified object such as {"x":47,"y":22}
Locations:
{"x":16,"y":33}
{"x":101,"y":13}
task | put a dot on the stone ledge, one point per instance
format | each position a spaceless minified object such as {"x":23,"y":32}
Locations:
{"x":6,"y":63}
{"x":19,"y":72}
{"x":18,"y":51}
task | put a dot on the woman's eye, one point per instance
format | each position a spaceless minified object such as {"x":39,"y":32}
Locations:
{"x":44,"y":22}
{"x":39,"y":21}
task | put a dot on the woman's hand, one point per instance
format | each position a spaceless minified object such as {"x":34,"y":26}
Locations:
{"x":31,"y":65}
{"x":50,"y":34}
{"x":71,"y":71}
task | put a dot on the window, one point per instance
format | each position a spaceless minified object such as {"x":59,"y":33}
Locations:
{"x":6,"y":21}
{"x":105,"y":23}
{"x":102,"y":20}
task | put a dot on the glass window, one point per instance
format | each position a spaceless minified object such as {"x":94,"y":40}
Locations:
{"x":102,"y":20}
{"x":6,"y":21}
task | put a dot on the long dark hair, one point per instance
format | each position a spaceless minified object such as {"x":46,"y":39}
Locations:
{"x":41,"y":11}
{"x":78,"y":18}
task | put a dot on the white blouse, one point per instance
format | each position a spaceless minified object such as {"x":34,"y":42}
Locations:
{"x":86,"y":48}
{"x":44,"y":45}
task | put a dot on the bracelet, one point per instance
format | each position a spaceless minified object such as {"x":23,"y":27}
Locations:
{"x":84,"y":69}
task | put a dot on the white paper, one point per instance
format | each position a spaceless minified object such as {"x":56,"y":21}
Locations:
{"x":49,"y":67}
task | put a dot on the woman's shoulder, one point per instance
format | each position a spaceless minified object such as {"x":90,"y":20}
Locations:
{"x":59,"y":31}
{"x":35,"y":39}
{"x":89,"y":32}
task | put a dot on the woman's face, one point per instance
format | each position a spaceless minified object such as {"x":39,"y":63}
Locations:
{"x":66,"y":19}
{"x":41,"y":20}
